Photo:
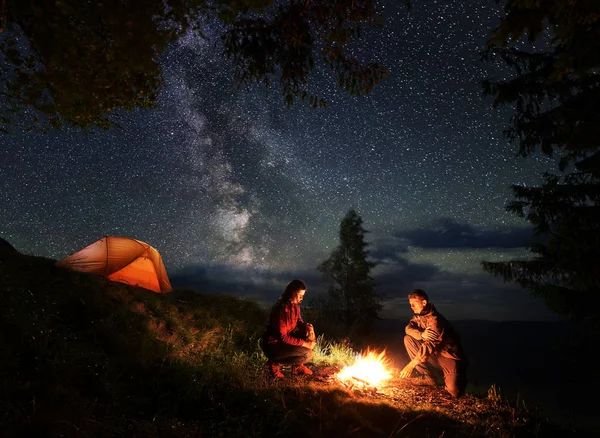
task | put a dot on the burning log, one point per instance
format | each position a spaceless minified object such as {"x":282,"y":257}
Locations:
{"x":358,"y":379}
{"x":370,"y":370}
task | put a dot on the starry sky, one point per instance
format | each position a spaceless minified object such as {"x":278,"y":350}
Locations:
{"x":240,"y":194}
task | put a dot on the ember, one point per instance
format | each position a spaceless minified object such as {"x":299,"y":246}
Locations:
{"x":368,"y":370}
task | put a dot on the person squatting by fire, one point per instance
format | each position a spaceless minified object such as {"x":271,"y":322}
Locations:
{"x":288,"y":340}
{"x":430,"y":340}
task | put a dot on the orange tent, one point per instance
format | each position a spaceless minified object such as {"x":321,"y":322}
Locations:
{"x":122,"y":259}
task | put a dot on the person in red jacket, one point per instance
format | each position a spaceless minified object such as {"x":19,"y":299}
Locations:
{"x":286,"y":339}
{"x":432,"y":341}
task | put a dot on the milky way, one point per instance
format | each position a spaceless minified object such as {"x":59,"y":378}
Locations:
{"x":240,"y":194}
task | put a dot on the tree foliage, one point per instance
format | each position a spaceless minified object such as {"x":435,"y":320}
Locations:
{"x":556,"y":98}
{"x":74,"y":63}
{"x":299,"y":33}
{"x":351,"y":299}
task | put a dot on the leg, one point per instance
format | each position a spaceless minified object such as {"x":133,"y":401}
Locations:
{"x":455,"y":375}
{"x":412,"y":348}
{"x":287,"y":354}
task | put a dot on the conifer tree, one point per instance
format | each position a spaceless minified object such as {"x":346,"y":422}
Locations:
{"x":556,"y":98}
{"x":352,"y":299}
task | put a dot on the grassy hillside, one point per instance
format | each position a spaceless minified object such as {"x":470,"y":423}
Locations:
{"x":81,"y":356}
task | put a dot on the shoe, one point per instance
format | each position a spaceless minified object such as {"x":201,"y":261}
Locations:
{"x":423,"y":380}
{"x":274,"y":369}
{"x":300,"y":370}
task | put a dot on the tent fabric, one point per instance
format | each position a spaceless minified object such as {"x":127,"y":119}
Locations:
{"x":122,"y":259}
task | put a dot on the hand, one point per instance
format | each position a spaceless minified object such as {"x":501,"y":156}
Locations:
{"x":310,"y":331}
{"x":309,"y":344}
{"x":407,"y":370}
{"x":429,"y":334}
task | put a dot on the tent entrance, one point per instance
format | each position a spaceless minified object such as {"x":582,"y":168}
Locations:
{"x":139,"y":273}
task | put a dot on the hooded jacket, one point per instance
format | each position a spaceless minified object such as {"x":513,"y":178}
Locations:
{"x":447,"y":344}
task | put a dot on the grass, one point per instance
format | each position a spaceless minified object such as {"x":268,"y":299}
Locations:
{"x":81,"y":356}
{"x":333,"y":353}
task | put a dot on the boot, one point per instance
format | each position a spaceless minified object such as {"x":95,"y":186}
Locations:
{"x":274,"y":369}
{"x":300,"y":370}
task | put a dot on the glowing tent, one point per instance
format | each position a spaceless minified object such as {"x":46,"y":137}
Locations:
{"x":122,"y":259}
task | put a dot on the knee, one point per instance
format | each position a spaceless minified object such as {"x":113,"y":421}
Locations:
{"x":308,"y":355}
{"x":411,"y":345}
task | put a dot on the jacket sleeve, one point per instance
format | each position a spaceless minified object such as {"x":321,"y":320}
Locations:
{"x":429,"y":347}
{"x":285,"y":324}
{"x":412,"y":329}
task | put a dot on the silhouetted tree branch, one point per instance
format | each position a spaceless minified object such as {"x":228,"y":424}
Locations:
{"x":74,"y":63}
{"x":556,"y":97}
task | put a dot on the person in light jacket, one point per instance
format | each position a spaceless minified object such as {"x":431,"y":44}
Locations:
{"x":431,"y":340}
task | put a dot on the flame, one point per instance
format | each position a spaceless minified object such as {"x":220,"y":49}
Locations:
{"x":370,"y":369}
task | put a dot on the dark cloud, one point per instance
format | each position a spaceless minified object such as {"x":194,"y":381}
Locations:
{"x":388,"y":252}
{"x":446,"y":233}
{"x":458,"y":296}
{"x":263,"y":286}
{"x":395,"y":274}
{"x":403,"y":278}
{"x":471,"y":297}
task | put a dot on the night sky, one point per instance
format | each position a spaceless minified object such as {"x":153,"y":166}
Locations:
{"x":240,"y":194}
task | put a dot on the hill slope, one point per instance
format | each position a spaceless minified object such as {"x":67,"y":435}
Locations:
{"x":83,"y":356}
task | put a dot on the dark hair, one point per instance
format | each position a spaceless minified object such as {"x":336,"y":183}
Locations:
{"x":418,"y":293}
{"x":291,"y":289}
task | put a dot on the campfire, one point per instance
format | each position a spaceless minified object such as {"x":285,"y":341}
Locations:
{"x":370,"y":369}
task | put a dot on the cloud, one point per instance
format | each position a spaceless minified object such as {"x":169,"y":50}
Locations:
{"x":458,"y":294}
{"x":445,"y":260}
{"x":388,"y":251}
{"x":395,"y":274}
{"x":261,"y":285}
{"x":400,"y":279}
{"x":480,"y":297}
{"x":446,"y":233}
